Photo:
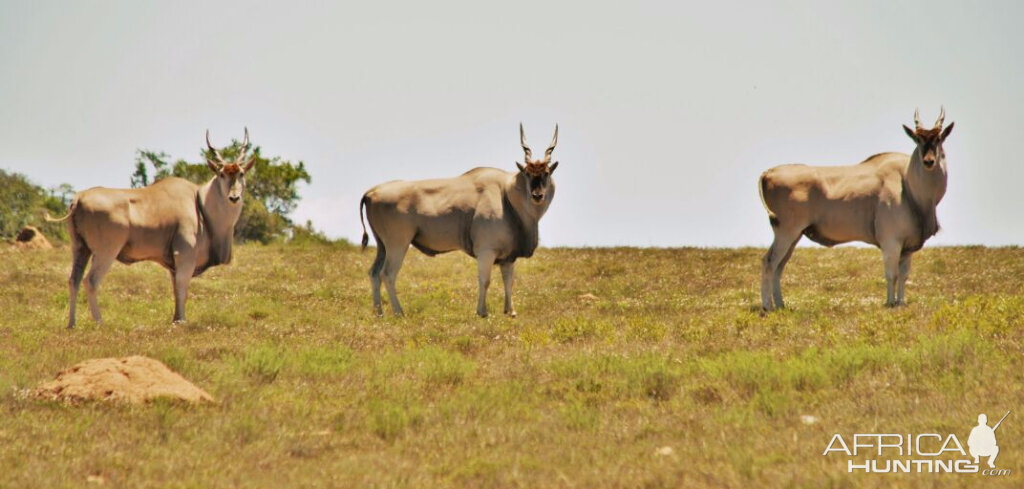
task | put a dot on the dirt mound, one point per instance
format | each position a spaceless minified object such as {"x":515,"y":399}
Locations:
{"x":31,"y":238}
{"x":134,"y":379}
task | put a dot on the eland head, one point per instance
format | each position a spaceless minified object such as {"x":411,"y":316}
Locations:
{"x":230,"y":174}
{"x":537,"y":171}
{"x":929,"y":140}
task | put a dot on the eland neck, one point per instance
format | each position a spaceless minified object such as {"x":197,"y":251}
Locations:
{"x":518,"y":195}
{"x":219,"y":214}
{"x":927,"y":187}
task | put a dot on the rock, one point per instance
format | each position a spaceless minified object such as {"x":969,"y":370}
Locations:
{"x":31,"y":238}
{"x":134,"y":379}
{"x":808,"y":419}
{"x":587,"y":298}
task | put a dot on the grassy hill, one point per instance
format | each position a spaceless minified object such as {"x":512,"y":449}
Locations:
{"x":667,"y":350}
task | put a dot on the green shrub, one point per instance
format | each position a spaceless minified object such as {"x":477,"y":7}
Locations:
{"x":263,"y":363}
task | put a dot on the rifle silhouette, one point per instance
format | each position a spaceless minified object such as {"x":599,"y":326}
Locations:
{"x":1000,"y":421}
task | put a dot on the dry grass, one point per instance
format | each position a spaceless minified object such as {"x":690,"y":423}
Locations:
{"x":577,"y":392}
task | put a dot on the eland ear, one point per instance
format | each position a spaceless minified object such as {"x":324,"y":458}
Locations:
{"x":910,"y":132}
{"x":248,"y":166}
{"x":521,"y":168}
{"x":946,"y":131}
{"x":552,"y":168}
{"x":213,"y":165}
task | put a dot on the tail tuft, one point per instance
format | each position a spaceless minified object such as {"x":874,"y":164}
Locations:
{"x":50,"y":218}
{"x":71,"y":210}
{"x":366,"y":237}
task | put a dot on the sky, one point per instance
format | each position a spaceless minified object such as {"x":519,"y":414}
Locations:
{"x":668,"y":111}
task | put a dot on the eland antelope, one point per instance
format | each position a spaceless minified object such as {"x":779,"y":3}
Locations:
{"x":887,"y":200}
{"x":488,"y":213}
{"x":184,"y":227}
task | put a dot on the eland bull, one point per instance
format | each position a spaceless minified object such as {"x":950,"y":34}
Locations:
{"x":887,"y":200}
{"x":488,"y":213}
{"x":184,"y":227}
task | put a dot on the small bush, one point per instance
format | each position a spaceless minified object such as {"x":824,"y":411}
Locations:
{"x":646,"y":329}
{"x":620,"y":377}
{"x":389,"y":419}
{"x":579,"y":416}
{"x":263,"y":364}
{"x":576,"y":328}
{"x":989,"y":315}
{"x":323,"y":361}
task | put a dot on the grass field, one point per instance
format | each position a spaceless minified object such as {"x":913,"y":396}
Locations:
{"x":670,"y":351}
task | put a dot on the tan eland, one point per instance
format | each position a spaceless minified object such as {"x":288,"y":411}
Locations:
{"x":887,"y":200}
{"x":488,"y":213}
{"x":186,"y":228}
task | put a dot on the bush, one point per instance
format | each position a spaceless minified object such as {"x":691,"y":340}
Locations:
{"x":24,"y":203}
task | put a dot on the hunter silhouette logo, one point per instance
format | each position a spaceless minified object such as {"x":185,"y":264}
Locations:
{"x":982,"y":442}
{"x":935,"y":453}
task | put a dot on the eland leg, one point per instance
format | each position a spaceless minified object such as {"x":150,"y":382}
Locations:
{"x":375,"y":271}
{"x":79,"y":259}
{"x":904,"y":273}
{"x":393,"y":258}
{"x":891,"y":252}
{"x":777,"y":279}
{"x":484,"y":264}
{"x":184,"y":266}
{"x":508,"y":271}
{"x":100,"y":266}
{"x":771,"y":273}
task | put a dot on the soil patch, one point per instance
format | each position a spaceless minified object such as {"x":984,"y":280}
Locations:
{"x":31,"y":238}
{"x":134,"y":379}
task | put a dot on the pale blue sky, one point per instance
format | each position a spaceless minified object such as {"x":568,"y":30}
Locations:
{"x":669,"y":111}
